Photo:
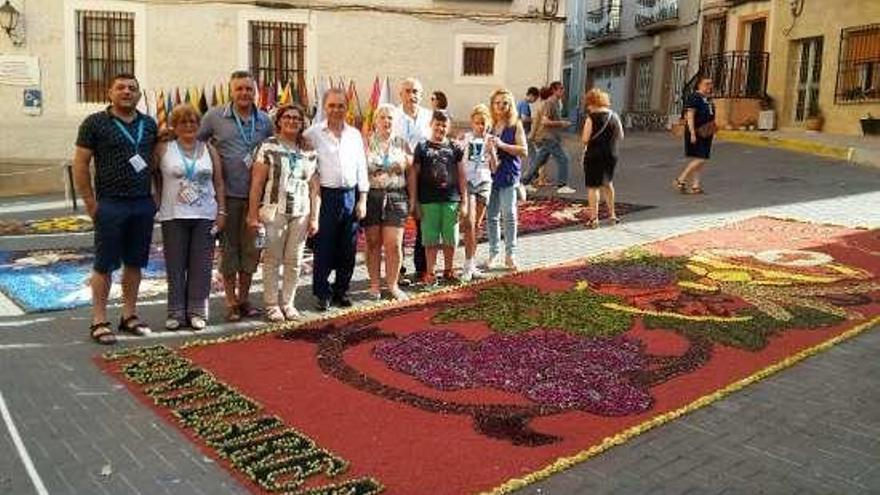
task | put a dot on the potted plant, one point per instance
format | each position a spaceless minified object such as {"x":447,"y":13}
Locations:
{"x":870,"y":125}
{"x":815,"y":122}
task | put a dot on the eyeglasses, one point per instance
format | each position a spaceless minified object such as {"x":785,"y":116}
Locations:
{"x":412,"y":90}
{"x":336,"y":106}
{"x":291,"y":117}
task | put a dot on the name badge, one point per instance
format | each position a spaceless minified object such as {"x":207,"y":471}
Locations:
{"x":248,"y":160}
{"x":137,"y":163}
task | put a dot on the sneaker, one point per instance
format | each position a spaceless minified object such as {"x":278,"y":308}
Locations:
{"x":565,"y":190}
{"x":478,"y":274}
{"x":450,"y":278}
{"x":467,"y":273}
{"x":511,"y":264}
{"x":172,"y":324}
{"x":492,"y":262}
{"x":521,"y":192}
{"x":530,"y":189}
{"x":197,"y":323}
{"x":398,"y":295}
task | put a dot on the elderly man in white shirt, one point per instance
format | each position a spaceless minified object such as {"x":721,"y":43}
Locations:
{"x":413,"y":122}
{"x":342,"y":173}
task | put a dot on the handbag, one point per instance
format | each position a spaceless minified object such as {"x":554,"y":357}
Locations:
{"x":707,"y":130}
{"x":267,"y":212}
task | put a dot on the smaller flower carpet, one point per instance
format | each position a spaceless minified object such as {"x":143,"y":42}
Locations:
{"x":55,"y":225}
{"x":489,"y":387}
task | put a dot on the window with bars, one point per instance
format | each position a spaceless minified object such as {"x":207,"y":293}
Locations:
{"x":278,"y":52}
{"x":858,"y":68}
{"x":643,"y":76}
{"x":104,"y":48}
{"x":478,"y":60}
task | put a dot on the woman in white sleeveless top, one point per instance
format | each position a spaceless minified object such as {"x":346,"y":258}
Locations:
{"x":192,"y":210}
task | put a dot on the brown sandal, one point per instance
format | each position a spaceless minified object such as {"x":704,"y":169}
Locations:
{"x":134,"y":326}
{"x":232,"y":314}
{"x":680,"y":185}
{"x":247,"y":310}
{"x":696,"y":190}
{"x":102,"y":333}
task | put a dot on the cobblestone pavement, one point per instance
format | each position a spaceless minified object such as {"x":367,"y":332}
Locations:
{"x":814,"y":428}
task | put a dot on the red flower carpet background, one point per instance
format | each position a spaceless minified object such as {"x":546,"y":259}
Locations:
{"x":492,"y":386}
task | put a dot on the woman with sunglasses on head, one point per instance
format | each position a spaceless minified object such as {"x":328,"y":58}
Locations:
{"x":280,"y":201}
{"x":508,"y":141}
{"x":192,"y":205}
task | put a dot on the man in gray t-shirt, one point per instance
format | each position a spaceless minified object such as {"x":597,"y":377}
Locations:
{"x":548,"y":130}
{"x":236,"y":129}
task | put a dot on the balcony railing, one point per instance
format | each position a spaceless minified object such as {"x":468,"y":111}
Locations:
{"x":737,"y":74}
{"x":653,"y":15}
{"x":603,"y":24}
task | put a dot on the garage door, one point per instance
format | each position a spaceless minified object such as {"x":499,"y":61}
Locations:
{"x":612,"y":79}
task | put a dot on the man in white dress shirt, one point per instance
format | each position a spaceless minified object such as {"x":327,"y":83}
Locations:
{"x":413,"y":123}
{"x":342,"y":173}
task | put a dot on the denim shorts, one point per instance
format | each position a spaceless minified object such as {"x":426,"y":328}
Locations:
{"x":123,"y":232}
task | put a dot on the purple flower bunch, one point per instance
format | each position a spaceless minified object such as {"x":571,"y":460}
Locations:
{"x":548,"y":367}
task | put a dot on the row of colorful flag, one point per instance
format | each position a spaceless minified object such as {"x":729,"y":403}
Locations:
{"x":159,"y":103}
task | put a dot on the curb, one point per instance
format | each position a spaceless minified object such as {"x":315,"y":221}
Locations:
{"x":846,"y":153}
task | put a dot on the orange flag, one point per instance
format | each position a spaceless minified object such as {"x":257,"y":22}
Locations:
{"x":371,"y":107}
{"x":160,"y":111}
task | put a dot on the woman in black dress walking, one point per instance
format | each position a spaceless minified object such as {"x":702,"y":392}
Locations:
{"x":698,"y":133}
{"x":602,"y":135}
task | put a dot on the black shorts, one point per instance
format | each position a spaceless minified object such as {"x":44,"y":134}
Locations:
{"x":386,"y":207}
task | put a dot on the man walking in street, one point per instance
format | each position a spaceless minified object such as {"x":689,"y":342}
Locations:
{"x":413,"y":123}
{"x":524,"y":109}
{"x":342,"y":202}
{"x":121,"y":140}
{"x":235,"y":130}
{"x":548,"y":141}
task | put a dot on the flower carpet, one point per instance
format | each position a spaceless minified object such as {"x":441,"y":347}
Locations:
{"x":540,"y":215}
{"x":54,"y":225}
{"x":49,"y":280}
{"x":488,"y":387}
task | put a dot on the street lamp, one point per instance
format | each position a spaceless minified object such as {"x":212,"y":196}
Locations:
{"x":9,"y":19}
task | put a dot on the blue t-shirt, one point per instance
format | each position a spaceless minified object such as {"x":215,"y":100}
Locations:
{"x":524,"y":110}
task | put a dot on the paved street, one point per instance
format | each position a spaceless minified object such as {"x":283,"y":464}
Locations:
{"x":814,"y":428}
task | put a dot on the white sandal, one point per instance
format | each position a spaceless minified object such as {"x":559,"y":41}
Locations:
{"x":274,"y":314}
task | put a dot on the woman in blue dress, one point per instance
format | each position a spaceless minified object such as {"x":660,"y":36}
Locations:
{"x":698,"y":134}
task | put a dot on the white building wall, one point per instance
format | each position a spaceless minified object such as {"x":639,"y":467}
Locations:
{"x":183,"y":46}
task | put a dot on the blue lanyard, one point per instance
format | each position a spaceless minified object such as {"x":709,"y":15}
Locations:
{"x":293,"y":157}
{"x":128,"y":136}
{"x":248,"y":139}
{"x":386,"y":157}
{"x":189,"y":165}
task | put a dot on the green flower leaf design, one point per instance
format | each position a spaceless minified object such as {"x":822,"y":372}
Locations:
{"x":751,"y":334}
{"x":511,"y":308}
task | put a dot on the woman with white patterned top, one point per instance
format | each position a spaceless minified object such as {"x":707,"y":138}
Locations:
{"x":281,"y":195}
{"x":192,"y":205}
{"x":388,"y":164}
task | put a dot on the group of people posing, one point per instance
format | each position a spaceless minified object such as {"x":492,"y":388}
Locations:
{"x":265,"y":184}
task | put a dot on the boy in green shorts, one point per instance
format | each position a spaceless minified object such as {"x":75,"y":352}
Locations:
{"x":441,"y":195}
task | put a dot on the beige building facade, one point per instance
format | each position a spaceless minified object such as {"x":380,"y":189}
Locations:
{"x":642,"y":52}
{"x":826,"y":61}
{"x":464,"y":48}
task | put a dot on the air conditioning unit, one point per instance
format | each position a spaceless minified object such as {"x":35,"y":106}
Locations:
{"x":767,"y":120}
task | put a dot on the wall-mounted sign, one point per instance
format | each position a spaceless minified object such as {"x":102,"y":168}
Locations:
{"x":19,"y":70}
{"x":33,"y":101}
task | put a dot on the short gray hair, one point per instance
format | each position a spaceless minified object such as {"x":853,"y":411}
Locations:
{"x":330,"y":91}
{"x":241,"y":74}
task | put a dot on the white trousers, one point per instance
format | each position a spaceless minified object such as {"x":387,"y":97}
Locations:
{"x":285,"y":242}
